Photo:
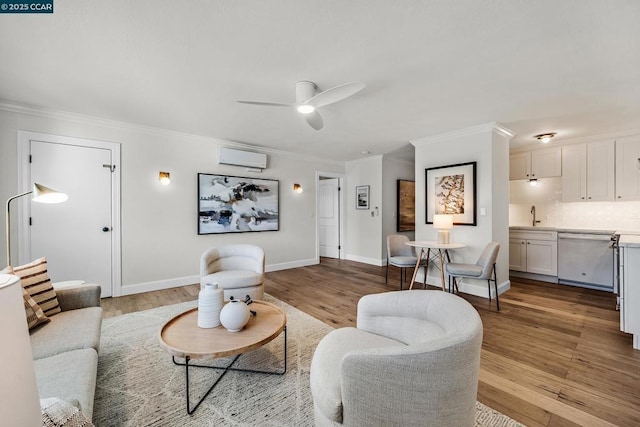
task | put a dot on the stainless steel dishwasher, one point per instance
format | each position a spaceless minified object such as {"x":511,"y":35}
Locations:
{"x":585,"y":260}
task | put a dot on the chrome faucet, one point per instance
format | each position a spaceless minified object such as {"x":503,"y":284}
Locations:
{"x":533,"y":212}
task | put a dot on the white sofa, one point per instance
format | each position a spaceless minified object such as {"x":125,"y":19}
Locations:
{"x":237,"y":269}
{"x":65,"y":350}
{"x":413,"y":359}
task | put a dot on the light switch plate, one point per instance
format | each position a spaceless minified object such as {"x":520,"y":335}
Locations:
{"x":483,"y":211}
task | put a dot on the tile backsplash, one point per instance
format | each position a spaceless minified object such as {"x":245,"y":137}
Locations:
{"x":552,"y":212}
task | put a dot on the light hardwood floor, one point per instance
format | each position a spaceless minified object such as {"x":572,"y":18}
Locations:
{"x":552,"y":356}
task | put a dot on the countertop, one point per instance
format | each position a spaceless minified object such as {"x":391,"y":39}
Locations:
{"x":561,"y":230}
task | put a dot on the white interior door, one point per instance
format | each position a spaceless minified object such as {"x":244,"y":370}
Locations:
{"x":329,"y":217}
{"x":75,"y":236}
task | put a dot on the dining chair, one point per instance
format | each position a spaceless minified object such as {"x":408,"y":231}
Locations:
{"x":483,"y":269}
{"x":399,"y":255}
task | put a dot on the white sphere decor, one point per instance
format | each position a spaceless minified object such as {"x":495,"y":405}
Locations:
{"x":235,"y":315}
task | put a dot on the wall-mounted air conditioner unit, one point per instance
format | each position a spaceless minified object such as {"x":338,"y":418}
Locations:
{"x":230,"y":156}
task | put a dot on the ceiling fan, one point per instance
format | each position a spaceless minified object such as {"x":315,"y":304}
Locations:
{"x":308,"y":101}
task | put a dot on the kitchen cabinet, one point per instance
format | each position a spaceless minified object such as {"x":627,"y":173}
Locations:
{"x":588,"y":172}
{"x":545,"y":163}
{"x":534,"y":252}
{"x":628,"y":168}
{"x":629,"y":291}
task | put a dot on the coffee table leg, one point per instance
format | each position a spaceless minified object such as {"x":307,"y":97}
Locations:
{"x":228,"y":368}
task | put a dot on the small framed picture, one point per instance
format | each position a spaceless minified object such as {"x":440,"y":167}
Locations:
{"x":362,"y":197}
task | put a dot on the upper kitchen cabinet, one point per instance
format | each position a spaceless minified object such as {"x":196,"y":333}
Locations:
{"x":544,"y":163}
{"x":588,"y":172}
{"x":628,"y":168}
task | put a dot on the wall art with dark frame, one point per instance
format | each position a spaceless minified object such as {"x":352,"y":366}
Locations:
{"x":406,"y":205}
{"x":235,"y":204}
{"x":362,"y":197}
{"x":451,"y":189}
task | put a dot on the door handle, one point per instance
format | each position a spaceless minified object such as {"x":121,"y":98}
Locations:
{"x":106,"y":229}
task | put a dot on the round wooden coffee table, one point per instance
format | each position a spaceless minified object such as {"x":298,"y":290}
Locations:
{"x":181,"y":337}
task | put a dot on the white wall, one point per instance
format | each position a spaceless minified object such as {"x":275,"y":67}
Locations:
{"x":488,"y":146}
{"x":552,"y":212}
{"x":364,"y":226}
{"x":164,"y":249}
{"x":392,"y":171}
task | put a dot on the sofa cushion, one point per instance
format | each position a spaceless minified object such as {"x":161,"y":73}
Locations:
{"x":325,"y":370}
{"x":35,"y":315}
{"x":35,"y":280}
{"x":233,"y":279}
{"x":69,"y":376}
{"x":60,"y":413}
{"x":69,"y":330}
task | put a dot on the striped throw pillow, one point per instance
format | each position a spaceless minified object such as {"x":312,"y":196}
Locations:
{"x":35,"y":280}
{"x":35,"y":315}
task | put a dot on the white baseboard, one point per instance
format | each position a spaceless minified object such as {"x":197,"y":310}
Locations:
{"x":479,"y":288}
{"x":190,"y":280}
{"x":365,"y":260}
{"x":292,"y":264}
{"x":159,"y":285}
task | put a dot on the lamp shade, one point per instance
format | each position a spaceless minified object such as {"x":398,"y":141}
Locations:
{"x":19,"y":400}
{"x":44,"y":194}
{"x":443,"y":221}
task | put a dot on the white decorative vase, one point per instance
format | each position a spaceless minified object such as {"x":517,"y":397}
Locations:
{"x":234,"y":315}
{"x":210,"y":303}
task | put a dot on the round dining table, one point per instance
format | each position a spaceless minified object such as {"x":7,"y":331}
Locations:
{"x":440,"y":251}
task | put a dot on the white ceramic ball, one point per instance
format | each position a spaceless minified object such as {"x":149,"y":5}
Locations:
{"x":235,"y":315}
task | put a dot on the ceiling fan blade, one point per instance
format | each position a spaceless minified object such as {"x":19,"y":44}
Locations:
{"x":315,"y":120}
{"x":335,"y":94}
{"x":266,"y":104}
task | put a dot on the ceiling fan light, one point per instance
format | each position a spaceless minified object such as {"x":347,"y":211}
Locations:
{"x":306,"y":109}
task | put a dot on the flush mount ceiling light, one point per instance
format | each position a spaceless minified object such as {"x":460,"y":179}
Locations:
{"x":545,"y":137}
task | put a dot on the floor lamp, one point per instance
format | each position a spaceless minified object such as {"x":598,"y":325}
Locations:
{"x":41,"y":194}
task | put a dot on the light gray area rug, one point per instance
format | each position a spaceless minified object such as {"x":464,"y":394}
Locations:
{"x":138,"y":384}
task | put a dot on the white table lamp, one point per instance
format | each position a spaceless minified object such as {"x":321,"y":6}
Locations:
{"x":19,"y":400}
{"x":443,"y":223}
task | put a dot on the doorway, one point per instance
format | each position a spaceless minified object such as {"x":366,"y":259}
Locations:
{"x":81,"y":237}
{"x":330,"y":215}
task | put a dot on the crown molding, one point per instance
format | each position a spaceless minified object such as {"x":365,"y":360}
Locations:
{"x":460,"y":133}
{"x":127,"y":126}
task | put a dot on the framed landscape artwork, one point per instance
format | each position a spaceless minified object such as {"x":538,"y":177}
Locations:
{"x":233,"y":204}
{"x":452,"y":190}
{"x":406,"y":205}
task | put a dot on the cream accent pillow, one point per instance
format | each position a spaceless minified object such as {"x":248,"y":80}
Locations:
{"x":35,"y":280}
{"x":60,"y":413}
{"x":35,"y":315}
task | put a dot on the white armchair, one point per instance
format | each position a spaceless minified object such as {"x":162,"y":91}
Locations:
{"x":237,"y":269}
{"x":413,"y":359}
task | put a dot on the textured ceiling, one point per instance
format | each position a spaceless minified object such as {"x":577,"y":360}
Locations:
{"x":570,"y":66}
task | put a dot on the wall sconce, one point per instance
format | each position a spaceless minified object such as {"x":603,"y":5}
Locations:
{"x":545,"y":137}
{"x":297,"y":188}
{"x":443,"y":223}
{"x":165,"y":178}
